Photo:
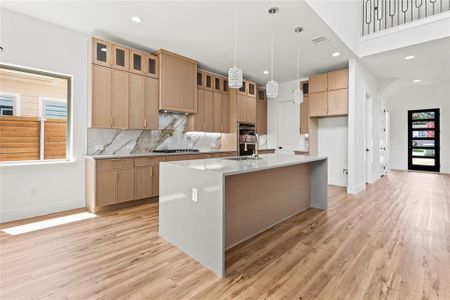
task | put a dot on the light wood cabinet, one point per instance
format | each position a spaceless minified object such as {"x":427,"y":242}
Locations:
{"x":196,"y":122}
{"x":101,"y":52}
{"x":124,"y":185}
{"x":143,"y":102}
{"x":226,"y":113}
{"x":261,"y":117}
{"x":338,"y":102}
{"x":218,"y":107}
{"x":178,"y":88}
{"x":229,"y":154}
{"x":105,"y":187}
{"x":101,"y":97}
{"x":119,"y":98}
{"x":251,"y":109}
{"x":304,"y":115}
{"x":137,"y":62}
{"x":251,"y":89}
{"x":338,"y":79}
{"x":246,"y":109}
{"x":243,"y":89}
{"x":261,"y":95}
{"x":318,"y":83}
{"x":208,"y":83}
{"x":209,"y":111}
{"x":318,"y":104}
{"x":120,"y":57}
{"x":143,"y":182}
{"x":151,"y":66}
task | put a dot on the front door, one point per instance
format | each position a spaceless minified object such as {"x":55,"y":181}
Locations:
{"x":423,"y":140}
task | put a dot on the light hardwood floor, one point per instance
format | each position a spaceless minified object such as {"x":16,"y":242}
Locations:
{"x":391,"y":241}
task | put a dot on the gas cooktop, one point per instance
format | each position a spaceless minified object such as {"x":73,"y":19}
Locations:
{"x":175,"y":150}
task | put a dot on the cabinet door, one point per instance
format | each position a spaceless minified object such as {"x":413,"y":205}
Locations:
{"x":209,"y":111}
{"x":217,"y":84}
{"x":243,"y":89}
{"x":198,"y":119}
{"x":120,"y":57}
{"x":151,"y":66}
{"x":225,"y":113}
{"x":338,"y":79}
{"x":200,"y":77}
{"x":151,"y":99}
{"x":137,"y":62}
{"x":119,"y":98}
{"x":225,"y":86}
{"x":217,"y":118}
{"x":136,"y":113}
{"x":241,"y":108}
{"x":124,"y":185}
{"x":101,"y":52}
{"x":251,"y":89}
{"x":251,"y":109}
{"x":178,"y":83}
{"x":261,"y":117}
{"x":261,"y":95}
{"x":101,"y":97}
{"x":143,"y":182}
{"x":318,"y":83}
{"x":155,"y":180}
{"x":338,"y":102}
{"x":208,"y":81}
{"x":304,"y":116}
{"x":318,"y":104}
{"x":105,"y":187}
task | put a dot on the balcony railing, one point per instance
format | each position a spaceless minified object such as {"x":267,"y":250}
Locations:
{"x":383,"y":14}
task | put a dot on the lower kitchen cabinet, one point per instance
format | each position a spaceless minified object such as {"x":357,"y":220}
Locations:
{"x":143,"y":182}
{"x":105,"y":187}
{"x":124,"y":185}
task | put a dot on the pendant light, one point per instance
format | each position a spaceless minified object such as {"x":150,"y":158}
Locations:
{"x":235,"y":76}
{"x":298,"y":92}
{"x":272,"y":85}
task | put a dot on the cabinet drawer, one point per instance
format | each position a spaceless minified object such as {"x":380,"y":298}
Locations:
{"x":228,"y":154}
{"x":183,"y":157}
{"x":114,"y":163}
{"x":211,"y":155}
{"x":148,"y":161}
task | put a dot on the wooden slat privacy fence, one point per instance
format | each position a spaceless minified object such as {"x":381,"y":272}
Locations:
{"x":20,"y":138}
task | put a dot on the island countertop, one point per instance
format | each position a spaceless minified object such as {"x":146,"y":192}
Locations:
{"x":228,"y":166}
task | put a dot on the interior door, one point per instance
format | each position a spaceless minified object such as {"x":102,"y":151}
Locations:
{"x":287,"y":135}
{"x":423,"y":140}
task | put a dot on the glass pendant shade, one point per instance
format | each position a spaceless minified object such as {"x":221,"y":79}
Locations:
{"x":272,"y":89}
{"x":298,"y":95}
{"x":235,"y":78}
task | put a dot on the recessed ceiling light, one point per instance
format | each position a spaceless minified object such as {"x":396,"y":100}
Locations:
{"x":417,"y":80}
{"x":409,"y":57}
{"x":136,"y":19}
{"x":266,"y":72}
{"x":335,"y":54}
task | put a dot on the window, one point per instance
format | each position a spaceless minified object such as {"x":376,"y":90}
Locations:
{"x":34,"y":114}
{"x":7,"y":105}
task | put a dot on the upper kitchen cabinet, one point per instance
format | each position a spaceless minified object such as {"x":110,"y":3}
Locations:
{"x":245,"y":109}
{"x":318,"y":83}
{"x":143,"y":102}
{"x":138,"y":62}
{"x":261,"y":94}
{"x":120,"y":57}
{"x":243,"y":89}
{"x":261,"y":116}
{"x":225,"y":86}
{"x":101,"y":97}
{"x":251,"y":89}
{"x":178,"y":87}
{"x":338,"y":79}
{"x":101,"y":52}
{"x":318,"y":104}
{"x":218,"y":82}
{"x":208,"y":84}
{"x":304,"y":115}
{"x":151,"y":66}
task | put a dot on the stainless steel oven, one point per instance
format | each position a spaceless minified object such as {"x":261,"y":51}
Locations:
{"x":246,"y":139}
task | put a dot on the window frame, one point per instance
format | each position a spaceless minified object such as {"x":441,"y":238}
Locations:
{"x":17,"y":102}
{"x":69,"y":120}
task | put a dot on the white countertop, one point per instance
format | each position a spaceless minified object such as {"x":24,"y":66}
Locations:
{"x":226,"y":166}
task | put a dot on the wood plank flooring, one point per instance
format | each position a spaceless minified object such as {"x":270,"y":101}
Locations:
{"x":390,"y":242}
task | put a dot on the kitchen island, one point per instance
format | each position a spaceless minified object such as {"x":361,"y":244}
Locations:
{"x":208,"y":206}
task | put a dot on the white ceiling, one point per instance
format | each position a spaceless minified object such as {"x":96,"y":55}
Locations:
{"x":203,"y":30}
{"x":431,"y":65}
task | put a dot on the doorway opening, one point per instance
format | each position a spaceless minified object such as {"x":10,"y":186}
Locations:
{"x":423,"y":140}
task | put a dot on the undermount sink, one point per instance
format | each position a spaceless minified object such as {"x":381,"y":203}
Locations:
{"x":243,"y":158}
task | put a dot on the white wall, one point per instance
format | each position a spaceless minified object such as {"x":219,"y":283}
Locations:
{"x":419,"y":96}
{"x":27,"y":191}
{"x":333,"y":143}
{"x":273,"y":118}
{"x":360,"y":83}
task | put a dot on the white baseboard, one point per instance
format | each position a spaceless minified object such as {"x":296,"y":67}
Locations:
{"x":337,"y":181}
{"x":40,"y":210}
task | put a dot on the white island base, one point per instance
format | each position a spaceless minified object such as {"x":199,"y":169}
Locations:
{"x":210,"y":205}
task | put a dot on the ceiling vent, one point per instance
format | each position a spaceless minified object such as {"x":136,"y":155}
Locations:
{"x":320,"y":40}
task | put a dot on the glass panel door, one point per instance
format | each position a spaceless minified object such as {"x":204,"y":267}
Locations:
{"x":423,"y":140}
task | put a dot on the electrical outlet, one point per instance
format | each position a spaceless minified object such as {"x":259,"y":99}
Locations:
{"x":194,"y":194}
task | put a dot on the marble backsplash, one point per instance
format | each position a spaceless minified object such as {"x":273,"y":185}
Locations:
{"x":172,"y":134}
